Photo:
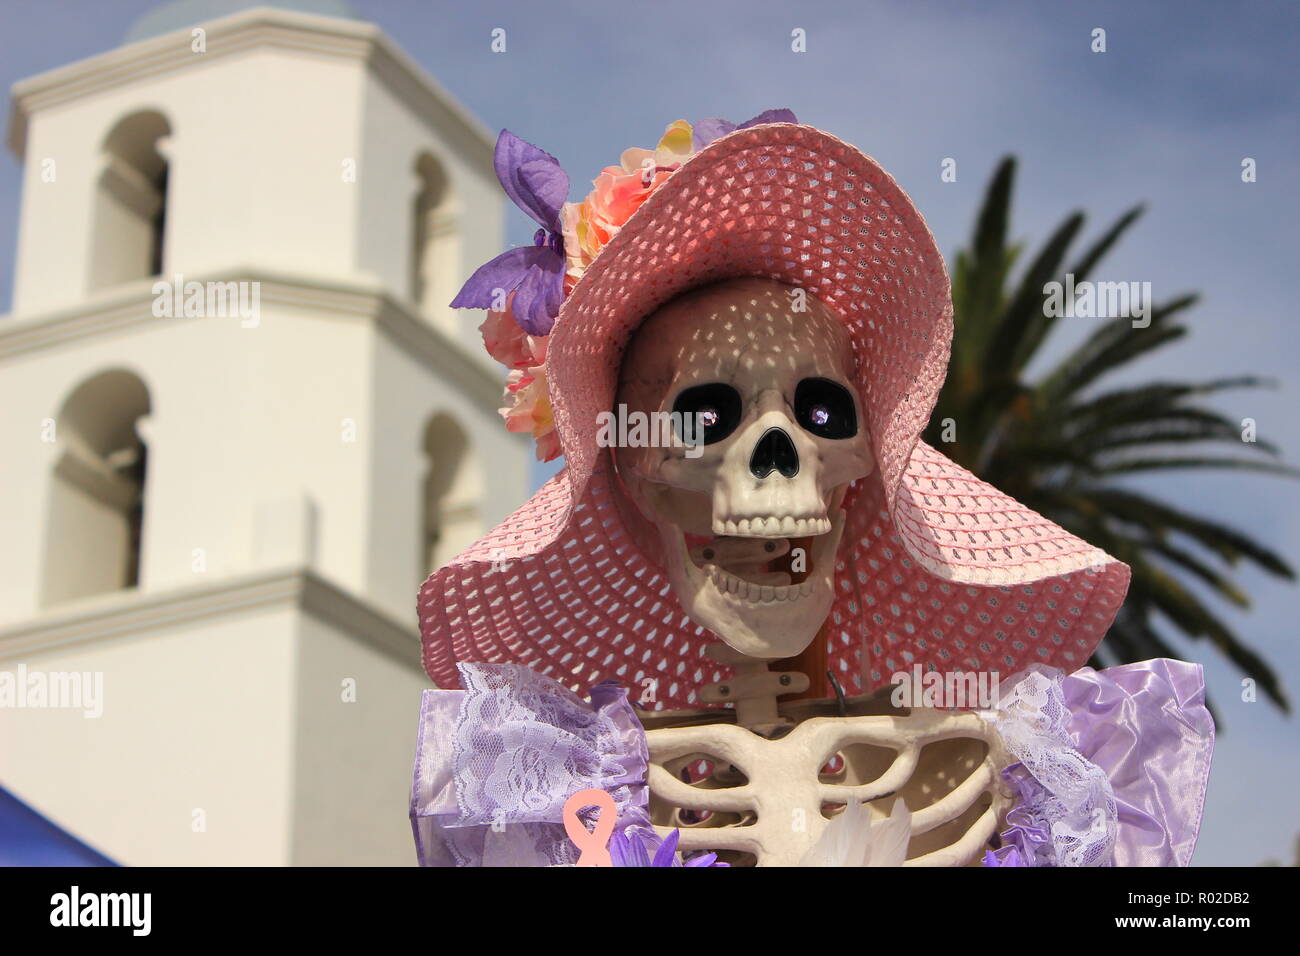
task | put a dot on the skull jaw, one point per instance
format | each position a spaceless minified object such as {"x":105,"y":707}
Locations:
{"x":764,"y":622}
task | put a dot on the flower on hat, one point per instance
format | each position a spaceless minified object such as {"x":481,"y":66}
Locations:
{"x":507,"y":342}
{"x":523,"y":288}
{"x":619,"y":191}
{"x":532,"y":276}
{"x":530,"y":409}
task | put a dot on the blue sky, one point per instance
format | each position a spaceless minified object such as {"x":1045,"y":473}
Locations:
{"x":1165,"y":116}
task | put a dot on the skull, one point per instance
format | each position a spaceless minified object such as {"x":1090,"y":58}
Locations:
{"x":748,"y":506}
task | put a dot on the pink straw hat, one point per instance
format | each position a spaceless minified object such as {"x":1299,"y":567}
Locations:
{"x":935,"y":568}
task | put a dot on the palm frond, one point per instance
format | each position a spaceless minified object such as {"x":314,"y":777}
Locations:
{"x":1221,"y":584}
{"x":1173,"y":425}
{"x":1061,"y":443}
{"x":1116,"y":343}
{"x":1010,"y":348}
{"x":1141,"y":510}
{"x":1128,"y":466}
{"x":1156,"y":396}
{"x":1038,"y":331}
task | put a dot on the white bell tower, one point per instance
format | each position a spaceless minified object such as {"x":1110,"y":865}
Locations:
{"x":240,"y":424}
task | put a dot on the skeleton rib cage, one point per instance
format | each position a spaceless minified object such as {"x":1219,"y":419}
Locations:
{"x":945,"y":766}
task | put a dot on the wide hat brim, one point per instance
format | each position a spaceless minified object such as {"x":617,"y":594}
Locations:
{"x":935,"y":568}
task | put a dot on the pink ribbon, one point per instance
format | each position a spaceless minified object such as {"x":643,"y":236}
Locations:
{"x":593,"y":842}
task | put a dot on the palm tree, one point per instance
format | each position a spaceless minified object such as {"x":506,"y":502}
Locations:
{"x":1063,"y":442}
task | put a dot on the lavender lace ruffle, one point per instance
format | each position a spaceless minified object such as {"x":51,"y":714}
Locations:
{"x":496,"y":762}
{"x":1111,"y":765}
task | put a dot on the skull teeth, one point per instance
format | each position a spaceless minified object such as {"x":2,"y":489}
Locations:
{"x":771,"y":527}
{"x":729,"y":583}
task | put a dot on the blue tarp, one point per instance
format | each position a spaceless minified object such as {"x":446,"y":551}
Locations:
{"x":28,"y":839}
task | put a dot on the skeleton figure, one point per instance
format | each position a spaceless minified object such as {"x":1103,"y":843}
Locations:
{"x":773,"y":288}
{"x":748,"y":528}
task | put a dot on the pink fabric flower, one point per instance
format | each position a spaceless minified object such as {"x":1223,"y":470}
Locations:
{"x":508,"y":343}
{"x":529,"y":409}
{"x":619,"y":192}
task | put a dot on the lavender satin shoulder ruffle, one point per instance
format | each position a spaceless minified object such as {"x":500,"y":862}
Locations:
{"x":1112,"y":765}
{"x":1147,"y":727}
{"x":496,"y":762}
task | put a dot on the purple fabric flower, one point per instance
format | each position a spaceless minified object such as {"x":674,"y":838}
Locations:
{"x":707,"y":130}
{"x":632,"y":848}
{"x":534,"y":181}
{"x":1004,"y":856}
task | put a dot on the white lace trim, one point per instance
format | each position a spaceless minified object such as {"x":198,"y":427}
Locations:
{"x":1076,"y":805}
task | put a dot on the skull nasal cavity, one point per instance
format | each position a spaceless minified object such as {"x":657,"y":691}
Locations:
{"x":774,"y":452}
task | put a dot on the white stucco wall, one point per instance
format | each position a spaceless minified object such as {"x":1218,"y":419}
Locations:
{"x":290,"y":448}
{"x":196,"y":720}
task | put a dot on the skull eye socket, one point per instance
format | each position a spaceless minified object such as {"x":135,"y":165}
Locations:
{"x":713,"y":410}
{"x":825,"y":408}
